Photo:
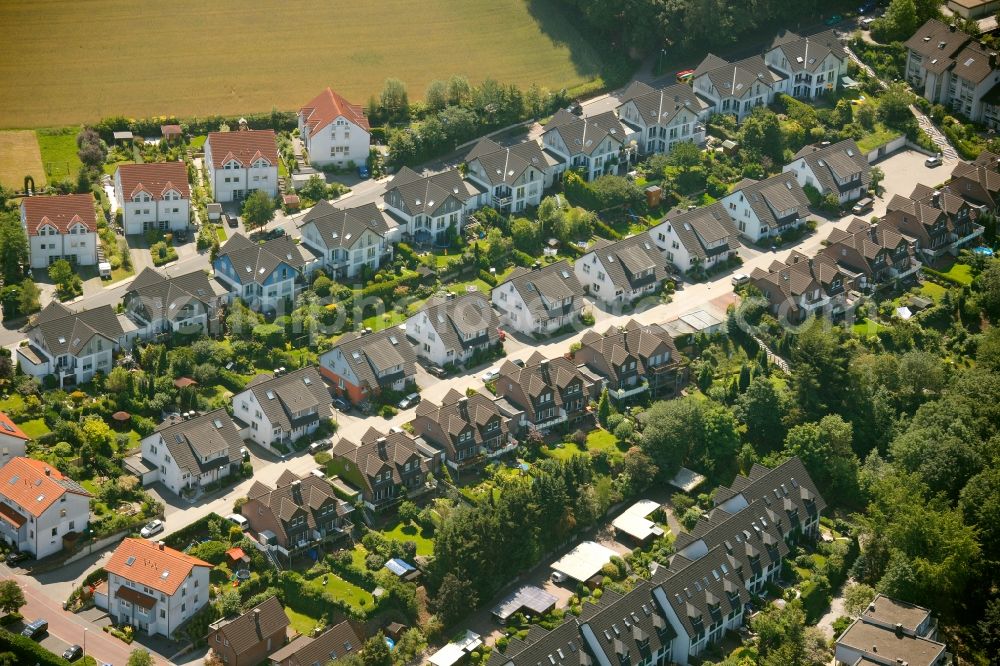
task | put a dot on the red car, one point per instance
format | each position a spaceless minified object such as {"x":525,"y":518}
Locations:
{"x":502,"y":334}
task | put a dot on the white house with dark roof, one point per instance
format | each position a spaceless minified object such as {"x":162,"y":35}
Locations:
{"x":737,"y":88}
{"x":153,"y":195}
{"x":347,"y":239}
{"x":696,"y":237}
{"x":427,"y":206}
{"x":840,"y":169}
{"x":591,"y":144}
{"x":190,"y":453}
{"x":539,"y":300}
{"x":468,"y":429}
{"x":334,"y":131}
{"x":452,"y":329}
{"x":659,"y":119}
{"x":812,"y":65}
{"x":513,"y":177}
{"x":767,"y":208}
{"x":621,"y":271}
{"x":262,"y":274}
{"x":160,"y":303}
{"x":72,"y":346}
{"x":283,"y":408}
{"x":361,"y":365}
{"x":240,"y":162}
{"x":60,"y":227}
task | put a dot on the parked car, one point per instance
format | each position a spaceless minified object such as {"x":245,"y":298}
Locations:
{"x":491,"y":374}
{"x":16,"y":557}
{"x":318,"y":473}
{"x":409,"y":401}
{"x":239,"y":521}
{"x":866,"y":22}
{"x":436,"y":371}
{"x":231,"y":220}
{"x":934,"y":161}
{"x":863,"y":206}
{"x":72,"y":653}
{"x":244,"y":454}
{"x":519,"y":362}
{"x":320,"y":445}
{"x":341,"y":404}
{"x":181,"y":235}
{"x":740,"y":279}
{"x":558,"y":577}
{"x":575,"y":108}
{"x":363,"y":171}
{"x":151,"y":528}
{"x":35,"y":629}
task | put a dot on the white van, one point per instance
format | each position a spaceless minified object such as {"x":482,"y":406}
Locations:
{"x":740,"y":279}
{"x":239,"y":520}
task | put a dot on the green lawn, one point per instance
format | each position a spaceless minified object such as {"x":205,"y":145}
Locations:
{"x":14,"y":402}
{"x":90,"y":486}
{"x":301,"y":623}
{"x":866,"y":328}
{"x":423,"y":538}
{"x":58,"y":149}
{"x":879,"y":136}
{"x":564,"y":451}
{"x":602,"y":440}
{"x":960,"y":272}
{"x":341,"y":589}
{"x":220,"y":231}
{"x":932,"y":291}
{"x":111,"y":167}
{"x":34,"y":428}
{"x":198,"y":142}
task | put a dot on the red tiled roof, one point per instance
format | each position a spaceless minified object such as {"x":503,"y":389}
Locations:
{"x":169,"y":130}
{"x":9,"y":428}
{"x":154,"y":178}
{"x":35,"y":485}
{"x":161,"y":569}
{"x":327,"y":107}
{"x":235,"y":554}
{"x":61,"y":211}
{"x":244,"y":147}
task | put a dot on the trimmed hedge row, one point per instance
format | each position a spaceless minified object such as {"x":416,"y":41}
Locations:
{"x":28,"y":651}
{"x":182,"y":537}
{"x":276,"y":120}
{"x":942,"y":276}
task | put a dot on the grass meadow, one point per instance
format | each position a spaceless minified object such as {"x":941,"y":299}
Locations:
{"x":68,"y":62}
{"x":20,"y":157}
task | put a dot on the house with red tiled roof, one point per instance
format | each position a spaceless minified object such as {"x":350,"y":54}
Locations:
{"x":155,"y":195}
{"x":155,"y":588}
{"x":241,"y":162}
{"x":39,"y":506}
{"x":334,"y":131}
{"x":60,"y":227}
{"x":12,"y":439}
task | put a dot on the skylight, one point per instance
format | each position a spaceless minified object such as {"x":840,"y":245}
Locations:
{"x":307,"y":381}
{"x":130,"y":561}
{"x":6,"y":426}
{"x":40,"y":498}
{"x":62,"y":340}
{"x":270,"y":394}
{"x":217,"y":423}
{"x":14,"y":479}
{"x":165,"y":574}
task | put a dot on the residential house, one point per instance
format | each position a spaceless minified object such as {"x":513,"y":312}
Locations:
{"x":13,"y":440}
{"x":659,"y":119}
{"x":190,"y":453}
{"x":263,"y":274}
{"x":340,"y":640}
{"x":334,"y":131}
{"x":454,"y":329}
{"x":247,"y":640}
{"x":872,"y":254}
{"x":802,"y":286}
{"x":348,"y":240}
{"x":296,"y":514}
{"x":737,"y":88}
{"x":697,"y":237}
{"x":154,"y":588}
{"x":934,"y":221}
{"x":385,"y":468}
{"x":186,"y":304}
{"x":634,"y":360}
{"x":282,"y":408}
{"x":74,"y":345}
{"x":58,"y":227}
{"x":593,"y":144}
{"x":763,"y":209}
{"x":978,"y":182}
{"x":543,"y":394}
{"x":812,"y":65}
{"x":153,"y":196}
{"x":240,"y":162}
{"x":513,"y":177}
{"x":622,"y":271}
{"x":362,"y":365}
{"x":891,"y":632}
{"x":468,"y":429}
{"x":840,"y":169}
{"x":429,"y":208}
{"x":39,"y":506}
{"x":973,"y":9}
{"x":539,"y":300}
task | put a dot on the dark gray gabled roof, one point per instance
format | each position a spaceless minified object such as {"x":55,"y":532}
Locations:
{"x":789,"y":480}
{"x":634,"y":341}
{"x":584,"y":135}
{"x":838,"y":160}
{"x":808,"y":53}
{"x":547,"y":284}
{"x":660,"y":107}
{"x":285,"y":395}
{"x":191,"y":441}
{"x":704,"y":591}
{"x":700,"y":228}
{"x":67,"y":332}
{"x":342,"y":227}
{"x":628,"y":628}
{"x":254,"y":263}
{"x":935,"y":39}
{"x":563,"y":646}
{"x":735,"y":79}
{"x":309,"y":495}
{"x":162,"y":296}
{"x":506,"y":165}
{"x":624,"y":260}
{"x":253,"y":627}
{"x":338,"y":641}
{"x":378,"y":452}
{"x":376,"y":352}
{"x":426,"y":194}
{"x":467,"y":314}
{"x":774,"y":196}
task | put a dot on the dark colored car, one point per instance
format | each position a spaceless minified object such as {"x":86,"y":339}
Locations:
{"x":436,"y":371}
{"x":363,"y":172}
{"x":232,"y":221}
{"x":15,"y":557}
{"x":35,"y":629}
{"x":181,"y":236}
{"x":341,"y":404}
{"x":72,"y":653}
{"x":575,"y":108}
{"x":275,"y":233}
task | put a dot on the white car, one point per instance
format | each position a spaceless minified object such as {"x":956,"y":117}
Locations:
{"x":491,"y":374}
{"x":934,"y":161}
{"x":154,"y":527}
{"x":409,"y":401}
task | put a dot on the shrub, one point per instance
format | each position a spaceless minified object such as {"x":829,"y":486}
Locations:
{"x":27,"y":651}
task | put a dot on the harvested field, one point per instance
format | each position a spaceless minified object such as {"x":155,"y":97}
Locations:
{"x":20,"y":157}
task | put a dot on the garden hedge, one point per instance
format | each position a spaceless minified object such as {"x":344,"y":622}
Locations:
{"x":28,"y":651}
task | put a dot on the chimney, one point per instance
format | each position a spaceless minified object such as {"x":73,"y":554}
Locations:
{"x":48,"y":471}
{"x":256,"y":619}
{"x":936,"y":199}
{"x":297,"y":491}
{"x":951,"y":27}
{"x":160,"y":545}
{"x":535,"y":266}
{"x":543,"y":366}
{"x":380,"y":443}
{"x":463,"y":408}
{"x":993,"y":60}
{"x":691,"y":206}
{"x":899,"y":628}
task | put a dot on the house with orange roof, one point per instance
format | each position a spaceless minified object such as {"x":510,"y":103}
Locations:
{"x":155,"y":195}
{"x":155,"y":588}
{"x":39,"y":506}
{"x":12,"y":439}
{"x":241,"y":162}
{"x":60,"y":227}
{"x":334,"y":131}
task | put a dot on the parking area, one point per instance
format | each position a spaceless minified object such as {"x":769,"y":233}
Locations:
{"x":902,"y":170}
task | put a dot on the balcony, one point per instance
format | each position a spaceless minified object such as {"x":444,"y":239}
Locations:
{"x":622,"y":393}
{"x":976,"y":232}
{"x":502,"y":201}
{"x":496,"y":453}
